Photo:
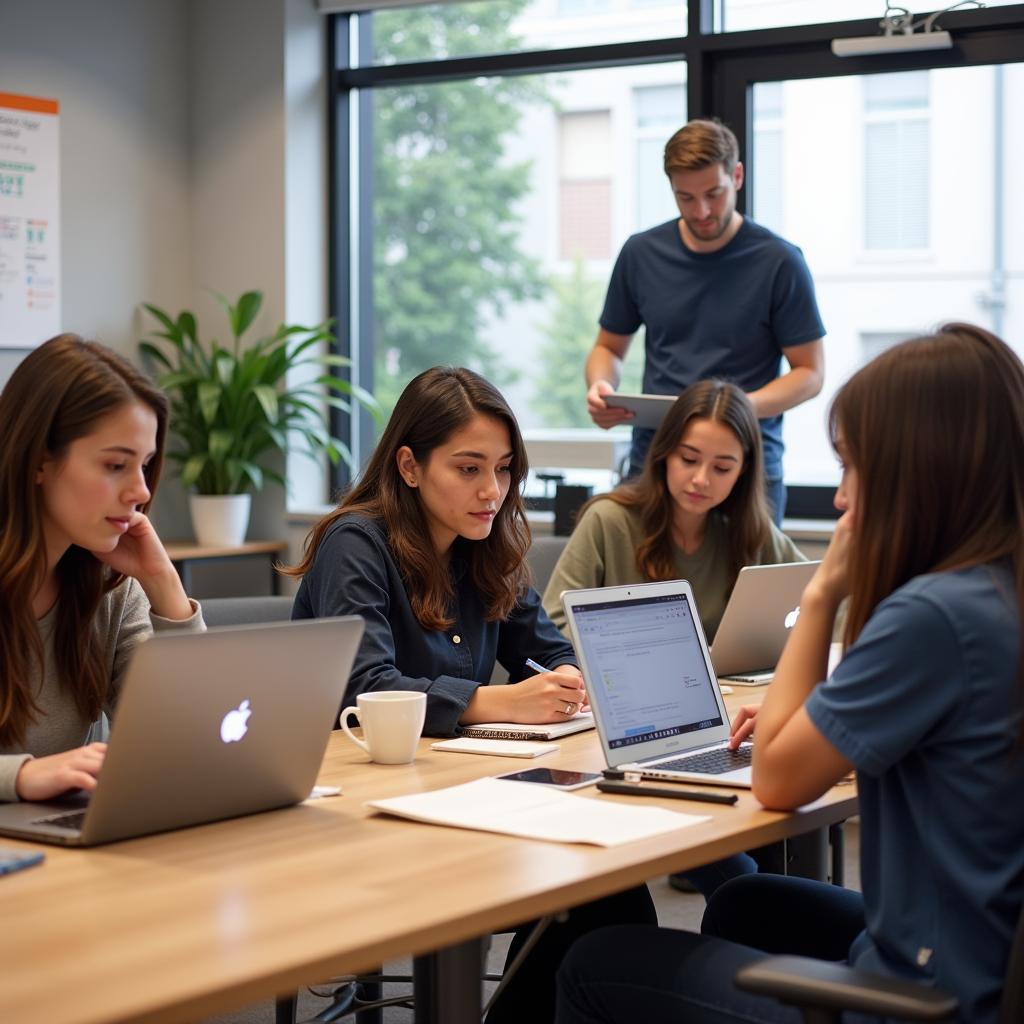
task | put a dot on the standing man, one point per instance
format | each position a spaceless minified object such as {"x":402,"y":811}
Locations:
{"x":719,"y":296}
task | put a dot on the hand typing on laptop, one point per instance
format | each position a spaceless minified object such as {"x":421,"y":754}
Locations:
{"x":43,"y":778}
{"x":743,"y":725}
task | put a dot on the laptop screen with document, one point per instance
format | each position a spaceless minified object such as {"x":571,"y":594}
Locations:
{"x":647,"y":670}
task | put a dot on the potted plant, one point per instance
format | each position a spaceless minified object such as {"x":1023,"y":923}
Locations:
{"x":233,"y":408}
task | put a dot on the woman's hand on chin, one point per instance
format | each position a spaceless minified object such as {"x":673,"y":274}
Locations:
{"x":43,"y":778}
{"x":140,"y":554}
{"x":831,"y":581}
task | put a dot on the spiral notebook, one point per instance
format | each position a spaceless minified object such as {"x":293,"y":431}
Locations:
{"x":514,"y":731}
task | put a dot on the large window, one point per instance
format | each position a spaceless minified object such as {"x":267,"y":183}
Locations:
{"x":900,"y":236}
{"x":493,"y":155}
{"x":499,"y":201}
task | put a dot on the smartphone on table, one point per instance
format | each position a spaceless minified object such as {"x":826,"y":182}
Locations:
{"x":557,"y":777}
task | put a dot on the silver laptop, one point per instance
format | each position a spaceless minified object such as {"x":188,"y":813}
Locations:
{"x":208,"y":726}
{"x":656,"y":700}
{"x":762,"y":609}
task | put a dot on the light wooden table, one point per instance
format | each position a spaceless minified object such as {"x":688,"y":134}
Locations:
{"x":197,"y":922}
{"x":183,"y":553}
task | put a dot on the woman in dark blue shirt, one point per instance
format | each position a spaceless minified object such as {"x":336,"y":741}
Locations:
{"x":429,"y":548}
{"x":926,"y":705}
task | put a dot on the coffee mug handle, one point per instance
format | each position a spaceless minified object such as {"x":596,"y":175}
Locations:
{"x":343,"y":720}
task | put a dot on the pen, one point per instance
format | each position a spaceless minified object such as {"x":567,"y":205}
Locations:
{"x":630,"y":789}
{"x":536,"y":665}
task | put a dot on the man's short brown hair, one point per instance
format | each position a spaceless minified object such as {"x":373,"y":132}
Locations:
{"x":702,"y":143}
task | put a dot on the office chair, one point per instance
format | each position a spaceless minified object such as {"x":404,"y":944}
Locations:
{"x":240,"y":611}
{"x":822,"y":991}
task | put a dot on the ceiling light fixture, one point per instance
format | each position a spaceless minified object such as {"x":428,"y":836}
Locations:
{"x":901,"y":34}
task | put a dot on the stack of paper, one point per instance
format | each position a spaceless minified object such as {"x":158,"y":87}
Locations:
{"x":535,"y":812}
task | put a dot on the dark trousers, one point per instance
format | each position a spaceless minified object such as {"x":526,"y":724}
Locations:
{"x":530,"y":996}
{"x":663,"y":976}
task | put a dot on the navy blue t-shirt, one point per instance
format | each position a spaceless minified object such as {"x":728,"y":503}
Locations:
{"x":926,"y":704}
{"x":725,"y":314}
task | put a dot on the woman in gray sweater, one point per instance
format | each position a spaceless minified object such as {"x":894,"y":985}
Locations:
{"x":83,"y":575}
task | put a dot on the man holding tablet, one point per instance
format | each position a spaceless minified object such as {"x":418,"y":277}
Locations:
{"x":719,"y":296}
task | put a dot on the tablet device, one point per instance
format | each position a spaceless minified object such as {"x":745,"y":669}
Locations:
{"x":649,"y":410}
{"x":556,"y":777}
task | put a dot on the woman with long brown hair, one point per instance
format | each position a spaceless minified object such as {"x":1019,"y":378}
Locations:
{"x":926,"y":705}
{"x":697,"y":512}
{"x":83,"y":575}
{"x":429,"y":548}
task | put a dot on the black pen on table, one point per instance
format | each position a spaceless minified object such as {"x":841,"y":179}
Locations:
{"x":633,"y":789}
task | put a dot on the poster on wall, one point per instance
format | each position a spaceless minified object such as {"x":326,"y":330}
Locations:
{"x":29,"y":220}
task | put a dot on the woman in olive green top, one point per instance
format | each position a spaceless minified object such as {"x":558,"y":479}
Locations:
{"x":697,"y":512}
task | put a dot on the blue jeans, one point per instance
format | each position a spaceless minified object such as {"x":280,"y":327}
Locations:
{"x":662,"y":976}
{"x":775,"y":492}
{"x":708,"y":877}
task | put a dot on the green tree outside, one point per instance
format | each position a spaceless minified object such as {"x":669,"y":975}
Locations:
{"x":559,"y":392}
{"x":448,"y":254}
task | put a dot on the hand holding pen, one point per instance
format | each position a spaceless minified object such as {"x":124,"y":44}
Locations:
{"x":575,"y":700}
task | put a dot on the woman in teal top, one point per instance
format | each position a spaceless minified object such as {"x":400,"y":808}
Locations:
{"x":697,"y":512}
{"x":926,"y":704}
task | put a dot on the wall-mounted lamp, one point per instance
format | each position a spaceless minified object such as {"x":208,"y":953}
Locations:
{"x":901,"y":34}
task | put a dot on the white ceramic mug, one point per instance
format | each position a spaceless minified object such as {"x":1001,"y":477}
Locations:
{"x":392,"y":721}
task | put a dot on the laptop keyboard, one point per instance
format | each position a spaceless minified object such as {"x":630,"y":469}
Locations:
{"x":711,"y":762}
{"x":72,"y":822}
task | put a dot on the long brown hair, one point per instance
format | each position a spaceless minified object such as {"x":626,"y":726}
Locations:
{"x":745,"y":509}
{"x":432,"y":407}
{"x":934,"y":428}
{"x":56,"y":395}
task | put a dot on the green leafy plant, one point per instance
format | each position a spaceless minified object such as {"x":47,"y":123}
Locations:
{"x":231,"y":406}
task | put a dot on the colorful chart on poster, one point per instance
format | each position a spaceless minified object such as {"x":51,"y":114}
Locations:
{"x":29,"y":220}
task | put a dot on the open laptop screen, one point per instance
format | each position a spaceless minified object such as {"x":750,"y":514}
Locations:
{"x":646,"y":671}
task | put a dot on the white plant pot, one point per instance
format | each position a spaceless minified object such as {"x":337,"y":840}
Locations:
{"x":220,"y":520}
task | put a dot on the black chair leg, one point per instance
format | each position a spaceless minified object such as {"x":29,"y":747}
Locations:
{"x":837,"y":840}
{"x":286,"y":1009}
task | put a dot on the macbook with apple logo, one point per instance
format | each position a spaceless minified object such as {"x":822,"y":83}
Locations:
{"x":762,"y":609}
{"x":208,"y":726}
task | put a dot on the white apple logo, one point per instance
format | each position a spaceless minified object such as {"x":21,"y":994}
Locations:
{"x":790,"y":620}
{"x":235,"y":724}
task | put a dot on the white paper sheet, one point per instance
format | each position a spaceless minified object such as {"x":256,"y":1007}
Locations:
{"x":535,"y":812}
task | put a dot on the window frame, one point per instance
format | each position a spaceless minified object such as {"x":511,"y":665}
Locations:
{"x":722,"y":69}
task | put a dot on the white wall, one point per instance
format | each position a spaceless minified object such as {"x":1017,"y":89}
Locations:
{"x":116,"y":68}
{"x":191,"y":130}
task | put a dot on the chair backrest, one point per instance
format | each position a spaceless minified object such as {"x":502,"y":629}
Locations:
{"x":542,"y":556}
{"x":238,"y":611}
